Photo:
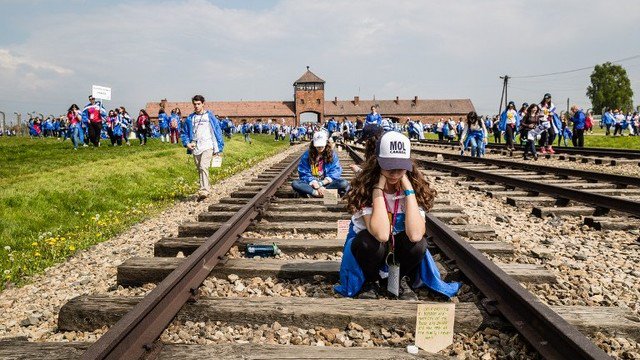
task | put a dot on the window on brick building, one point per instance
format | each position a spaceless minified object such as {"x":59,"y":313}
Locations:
{"x":318,"y":101}
{"x":301,"y":101}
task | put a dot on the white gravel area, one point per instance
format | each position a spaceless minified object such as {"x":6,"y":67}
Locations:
{"x":32,"y":310}
{"x":629,"y":169}
{"x":594,"y":268}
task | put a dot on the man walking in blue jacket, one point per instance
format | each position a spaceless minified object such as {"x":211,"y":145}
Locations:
{"x":203,"y":138}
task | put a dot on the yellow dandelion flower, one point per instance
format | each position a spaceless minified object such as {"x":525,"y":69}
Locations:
{"x":34,"y":244}
{"x":37,"y":254}
{"x":72,"y":248}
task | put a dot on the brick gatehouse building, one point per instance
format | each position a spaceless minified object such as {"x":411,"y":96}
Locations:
{"x":309,"y":104}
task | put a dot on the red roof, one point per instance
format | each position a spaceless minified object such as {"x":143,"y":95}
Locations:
{"x":399,"y":107}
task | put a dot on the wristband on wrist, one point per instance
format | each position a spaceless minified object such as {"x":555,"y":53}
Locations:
{"x":409,"y":192}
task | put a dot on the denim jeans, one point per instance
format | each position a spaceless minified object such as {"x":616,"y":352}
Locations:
{"x":75,"y":136}
{"x":304,"y":188}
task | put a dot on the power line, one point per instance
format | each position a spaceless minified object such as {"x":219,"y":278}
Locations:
{"x":574,"y":70}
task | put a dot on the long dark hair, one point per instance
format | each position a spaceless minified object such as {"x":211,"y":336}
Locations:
{"x":527,"y":116}
{"x":362,"y":186}
{"x":543,"y":102}
{"x":472,"y":118}
{"x":327,"y":153}
{"x":73,"y":107}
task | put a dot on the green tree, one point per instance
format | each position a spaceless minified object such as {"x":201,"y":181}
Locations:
{"x":610,"y":87}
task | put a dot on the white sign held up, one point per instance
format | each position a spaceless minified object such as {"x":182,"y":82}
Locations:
{"x":101,"y":92}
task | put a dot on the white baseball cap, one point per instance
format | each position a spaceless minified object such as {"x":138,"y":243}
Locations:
{"x":320,"y":138}
{"x":394,"y":151}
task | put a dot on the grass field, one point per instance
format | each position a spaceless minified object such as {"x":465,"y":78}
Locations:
{"x":597,"y":139}
{"x":55,"y":201}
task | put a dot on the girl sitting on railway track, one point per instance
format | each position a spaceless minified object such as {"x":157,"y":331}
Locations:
{"x":474,"y":135}
{"x":319,"y":169}
{"x":388,"y":201}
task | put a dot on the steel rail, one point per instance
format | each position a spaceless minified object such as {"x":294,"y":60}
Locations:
{"x":589,"y":175}
{"x":134,"y":334}
{"x":597,"y":200}
{"x":551,"y":335}
{"x":586,"y":151}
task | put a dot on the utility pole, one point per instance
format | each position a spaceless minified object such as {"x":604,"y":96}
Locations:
{"x":505,"y":94}
{"x":567,"y":104}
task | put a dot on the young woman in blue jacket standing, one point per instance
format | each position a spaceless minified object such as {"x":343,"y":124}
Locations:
{"x":509,"y":123}
{"x":319,"y":169}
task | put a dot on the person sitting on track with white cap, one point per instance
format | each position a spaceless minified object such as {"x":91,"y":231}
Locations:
{"x":388,"y":200}
{"x":319,"y":169}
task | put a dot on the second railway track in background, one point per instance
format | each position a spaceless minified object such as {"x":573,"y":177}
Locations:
{"x":598,"y":156}
{"x":267,"y":206}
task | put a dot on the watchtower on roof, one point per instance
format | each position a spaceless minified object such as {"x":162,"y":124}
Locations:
{"x":309,"y":98}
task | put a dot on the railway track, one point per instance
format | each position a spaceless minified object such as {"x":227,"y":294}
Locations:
{"x":607,"y":201}
{"x":598,"y":156}
{"x":262,"y":212}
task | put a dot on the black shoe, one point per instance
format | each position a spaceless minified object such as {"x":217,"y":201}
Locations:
{"x":525,"y":157}
{"x":369,"y":291}
{"x":535,"y":157}
{"x":406,"y":293}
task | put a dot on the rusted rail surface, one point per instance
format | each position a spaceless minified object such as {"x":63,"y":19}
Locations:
{"x":546,"y":331}
{"x":135,"y":334}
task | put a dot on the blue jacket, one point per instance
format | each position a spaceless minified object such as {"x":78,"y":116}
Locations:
{"x":579,"y":119}
{"x":116,"y":125}
{"x":332,"y":170}
{"x":163,"y":121}
{"x":332,"y":125}
{"x":607,"y":118}
{"x":502,"y":125}
{"x":182,"y":126}
{"x":187,"y":131}
{"x":85,"y":112}
{"x":352,"y":278}
{"x":373,"y":119}
{"x":245,"y":128}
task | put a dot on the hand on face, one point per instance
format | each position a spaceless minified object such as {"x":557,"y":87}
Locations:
{"x":394,"y":178}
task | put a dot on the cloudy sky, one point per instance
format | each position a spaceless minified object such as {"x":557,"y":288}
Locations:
{"x":51,"y":52}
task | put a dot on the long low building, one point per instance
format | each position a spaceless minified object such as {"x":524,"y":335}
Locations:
{"x":309,"y":105}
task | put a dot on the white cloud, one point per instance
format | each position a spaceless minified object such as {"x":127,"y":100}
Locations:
{"x":12,"y":62}
{"x":151,"y":50}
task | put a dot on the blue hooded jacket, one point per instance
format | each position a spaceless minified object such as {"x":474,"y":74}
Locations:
{"x":187,"y":131}
{"x":502,"y":125}
{"x":352,"y":278}
{"x":332,"y":170}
